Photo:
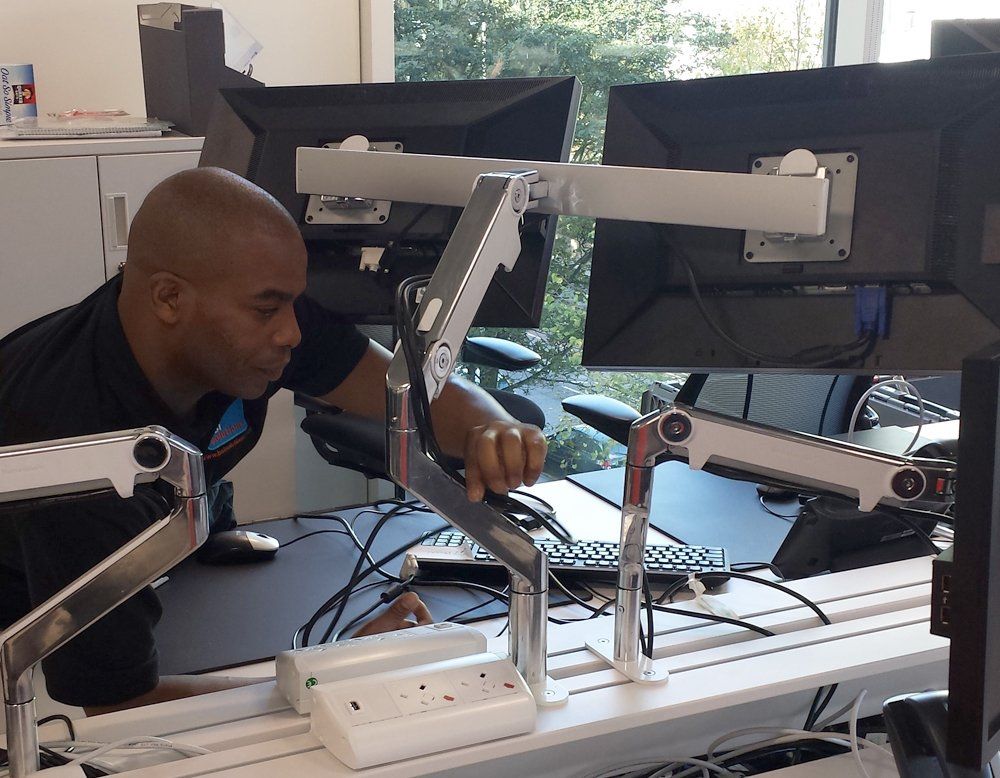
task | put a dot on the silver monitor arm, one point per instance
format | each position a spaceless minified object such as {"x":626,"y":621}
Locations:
{"x":71,"y":466}
{"x":703,"y":438}
{"x":485,"y":238}
{"x":793,"y":202}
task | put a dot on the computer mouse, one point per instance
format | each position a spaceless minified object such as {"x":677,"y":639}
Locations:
{"x":237,"y":546}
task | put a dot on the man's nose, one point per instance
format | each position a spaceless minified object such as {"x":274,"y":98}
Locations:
{"x":288,"y":334}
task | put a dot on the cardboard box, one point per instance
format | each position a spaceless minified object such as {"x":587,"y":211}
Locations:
{"x":17,"y":93}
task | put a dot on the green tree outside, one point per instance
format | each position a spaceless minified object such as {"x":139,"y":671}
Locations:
{"x":603,"y":43}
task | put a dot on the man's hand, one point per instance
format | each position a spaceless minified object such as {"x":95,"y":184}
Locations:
{"x":502,"y":455}
{"x":398,"y":616}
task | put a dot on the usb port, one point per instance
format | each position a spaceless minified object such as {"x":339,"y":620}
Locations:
{"x":354,"y":706}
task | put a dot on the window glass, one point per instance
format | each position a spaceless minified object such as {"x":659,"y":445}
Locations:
{"x":602,"y":42}
{"x":906,"y":24}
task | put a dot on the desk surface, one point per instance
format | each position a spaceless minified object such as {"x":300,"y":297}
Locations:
{"x":216,"y":617}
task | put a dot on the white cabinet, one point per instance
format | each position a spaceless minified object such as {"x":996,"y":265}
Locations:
{"x":65,"y":207}
{"x":50,"y":236}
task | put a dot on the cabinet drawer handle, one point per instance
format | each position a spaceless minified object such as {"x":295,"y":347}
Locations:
{"x":117,"y":221}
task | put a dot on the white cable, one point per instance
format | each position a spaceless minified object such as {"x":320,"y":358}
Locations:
{"x":894,"y":381}
{"x":776,"y":731}
{"x":140,"y":743}
{"x":699,"y":763}
{"x":852,"y":727}
{"x":649,"y":764}
{"x":832,"y":737}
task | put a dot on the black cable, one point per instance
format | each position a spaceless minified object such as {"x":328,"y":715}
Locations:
{"x":747,"y":396}
{"x":832,"y":356}
{"x":64,"y":719}
{"x":826,"y":404}
{"x":293,"y":541}
{"x":474,"y":608}
{"x":348,"y":588}
{"x":497,"y":594}
{"x":306,"y":629}
{"x":766,"y":507}
{"x":384,"y":598}
{"x":817,"y":708}
{"x":349,"y":529}
{"x":790,"y":592}
{"x":649,"y":613}
{"x":773,"y":568}
{"x":573,"y":597}
{"x":902,"y":518}
{"x":671,"y":590}
{"x":357,"y":568}
{"x":716,"y":618}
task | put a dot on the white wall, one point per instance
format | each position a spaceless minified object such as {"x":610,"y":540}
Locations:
{"x":86,"y":55}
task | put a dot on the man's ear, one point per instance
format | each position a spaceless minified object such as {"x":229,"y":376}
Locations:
{"x":169,"y":295}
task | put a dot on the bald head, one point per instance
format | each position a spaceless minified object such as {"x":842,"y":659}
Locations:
{"x":206,"y":303}
{"x":195,"y":222}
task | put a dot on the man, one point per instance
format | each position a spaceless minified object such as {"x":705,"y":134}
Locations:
{"x":206,"y":322}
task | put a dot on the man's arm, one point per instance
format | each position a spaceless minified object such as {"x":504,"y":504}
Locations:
{"x":176,"y":687}
{"x":500,"y":453}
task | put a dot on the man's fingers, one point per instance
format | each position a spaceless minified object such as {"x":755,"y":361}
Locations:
{"x":487,"y":455}
{"x":536,"y":447}
{"x":421,"y":613}
{"x":396,"y":616}
{"x":406,"y":604}
{"x":512,"y":451}
{"x":502,"y":456}
{"x":475,"y":489}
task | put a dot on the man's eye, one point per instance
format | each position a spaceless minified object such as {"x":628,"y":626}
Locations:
{"x":267,"y":313}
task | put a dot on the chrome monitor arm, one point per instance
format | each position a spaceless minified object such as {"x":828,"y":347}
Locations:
{"x":485,"y":238}
{"x":120,"y":460}
{"x":793,"y":202}
{"x":702,"y":438}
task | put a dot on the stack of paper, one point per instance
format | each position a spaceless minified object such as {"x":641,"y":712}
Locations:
{"x":36,"y":128}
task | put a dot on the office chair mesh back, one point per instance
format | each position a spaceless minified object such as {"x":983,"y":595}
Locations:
{"x":816,"y":404}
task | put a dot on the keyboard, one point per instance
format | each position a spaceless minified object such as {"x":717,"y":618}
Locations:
{"x":454,"y":554}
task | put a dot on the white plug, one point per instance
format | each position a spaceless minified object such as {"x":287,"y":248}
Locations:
{"x":298,"y":671}
{"x":422,"y":710}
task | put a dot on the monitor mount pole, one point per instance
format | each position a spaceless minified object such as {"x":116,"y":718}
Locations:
{"x":485,"y":239}
{"x":701,"y":439}
{"x":38,"y":471}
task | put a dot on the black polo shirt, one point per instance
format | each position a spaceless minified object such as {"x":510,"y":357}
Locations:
{"x":72,"y":373}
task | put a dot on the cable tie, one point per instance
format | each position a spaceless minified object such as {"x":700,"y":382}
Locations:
{"x":709,"y":602}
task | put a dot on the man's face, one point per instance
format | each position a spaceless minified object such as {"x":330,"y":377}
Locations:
{"x":241,"y":328}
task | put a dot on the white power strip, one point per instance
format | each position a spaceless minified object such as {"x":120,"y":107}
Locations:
{"x":421,"y":710}
{"x":300,"y":670}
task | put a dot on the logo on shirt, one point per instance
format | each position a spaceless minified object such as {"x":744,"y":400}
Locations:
{"x":231,"y":426}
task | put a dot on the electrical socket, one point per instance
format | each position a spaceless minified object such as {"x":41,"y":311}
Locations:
{"x":300,"y":670}
{"x":404,"y":713}
{"x":480,"y":683}
{"x":423,"y":693}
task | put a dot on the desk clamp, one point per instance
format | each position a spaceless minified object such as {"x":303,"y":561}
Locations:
{"x":713,"y":442}
{"x":39,"y":471}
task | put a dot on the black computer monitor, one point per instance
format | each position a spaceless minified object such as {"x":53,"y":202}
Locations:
{"x":925,"y":137}
{"x":255,"y":132}
{"x":964,"y":36}
{"x":924,"y":140}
